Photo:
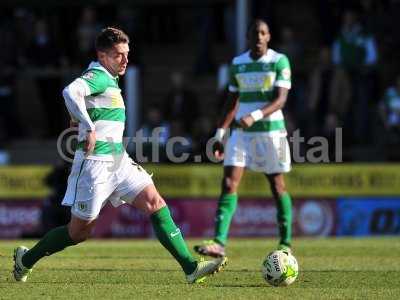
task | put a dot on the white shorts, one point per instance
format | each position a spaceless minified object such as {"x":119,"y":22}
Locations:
{"x":258,"y":151}
{"x":92,"y":183}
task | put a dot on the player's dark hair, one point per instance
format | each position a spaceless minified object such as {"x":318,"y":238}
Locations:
{"x":255,"y":23}
{"x":109,"y":37}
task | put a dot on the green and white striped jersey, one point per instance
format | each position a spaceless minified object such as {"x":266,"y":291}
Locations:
{"x":106,"y":109}
{"x":255,"y":81}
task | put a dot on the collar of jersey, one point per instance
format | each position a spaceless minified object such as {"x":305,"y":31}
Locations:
{"x":265,"y":56}
{"x":97,"y":65}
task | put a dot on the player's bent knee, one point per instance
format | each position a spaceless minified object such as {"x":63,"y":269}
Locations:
{"x":155,"y":203}
{"x":149,"y":200}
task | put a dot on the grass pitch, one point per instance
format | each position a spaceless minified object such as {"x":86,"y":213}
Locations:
{"x":137,"y":269}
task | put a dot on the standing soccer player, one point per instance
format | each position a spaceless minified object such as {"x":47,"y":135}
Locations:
{"x":102,"y":171}
{"x":259,"y":85}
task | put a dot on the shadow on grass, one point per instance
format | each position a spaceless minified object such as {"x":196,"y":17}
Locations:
{"x":240,"y":285}
{"x":178,"y":270}
{"x":108,"y":270}
{"x":113,"y":257}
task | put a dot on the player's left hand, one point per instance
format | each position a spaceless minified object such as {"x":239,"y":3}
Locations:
{"x":246,"y":121}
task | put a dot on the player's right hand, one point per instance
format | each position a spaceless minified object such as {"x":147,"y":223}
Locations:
{"x":218,"y":146}
{"x":219,"y":151}
{"x":90,"y":142}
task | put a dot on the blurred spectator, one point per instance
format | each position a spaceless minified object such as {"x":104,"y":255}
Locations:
{"x":205,"y":63}
{"x":354,"y":51}
{"x":329,"y":97}
{"x":390,"y":113}
{"x":222,"y":96}
{"x":162,"y":23}
{"x":86,"y":32}
{"x":341,"y":93}
{"x":45,"y":58}
{"x":154,"y":126}
{"x":290,"y":46}
{"x":181,"y":142}
{"x":154,"y":120}
{"x":8,"y":43}
{"x":203,"y":133}
{"x":229,"y":22}
{"x":371,"y":15}
{"x":181,"y":104}
{"x":9,"y":122}
{"x":296,"y":111}
{"x":24,"y":22}
{"x":10,"y":125}
{"x":43,"y":52}
{"x":131,"y":20}
{"x":327,"y":18}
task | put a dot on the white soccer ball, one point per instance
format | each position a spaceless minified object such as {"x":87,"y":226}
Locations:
{"x":280,"y":268}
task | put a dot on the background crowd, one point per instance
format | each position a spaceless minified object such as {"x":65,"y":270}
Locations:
{"x":344,"y":59}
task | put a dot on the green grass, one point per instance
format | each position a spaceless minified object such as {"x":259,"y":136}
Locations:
{"x":137,"y":269}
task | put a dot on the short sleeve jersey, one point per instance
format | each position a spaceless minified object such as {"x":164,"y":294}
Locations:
{"x":255,"y":81}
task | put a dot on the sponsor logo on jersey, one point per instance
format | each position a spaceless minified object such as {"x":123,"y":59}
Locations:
{"x":116,"y":100}
{"x":256,"y":81}
{"x":265,"y":67}
{"x":242,"y":68}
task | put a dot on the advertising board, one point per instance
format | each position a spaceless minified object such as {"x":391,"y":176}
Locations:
{"x":360,"y":216}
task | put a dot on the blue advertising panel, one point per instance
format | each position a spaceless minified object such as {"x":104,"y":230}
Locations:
{"x":360,"y":216}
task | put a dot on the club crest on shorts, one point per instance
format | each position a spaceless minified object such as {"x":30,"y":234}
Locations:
{"x":82,"y":206}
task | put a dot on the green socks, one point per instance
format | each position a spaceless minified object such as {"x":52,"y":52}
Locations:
{"x":284,"y":216}
{"x":227,"y":204}
{"x":169,"y":235}
{"x":54,"y":241}
{"x":171,"y":238}
{"x":226,"y":208}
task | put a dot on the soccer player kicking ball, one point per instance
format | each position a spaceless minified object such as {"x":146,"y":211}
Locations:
{"x":259,"y":85}
{"x":102,"y":171}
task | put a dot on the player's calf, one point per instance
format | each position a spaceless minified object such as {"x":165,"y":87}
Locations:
{"x":80,"y":230}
